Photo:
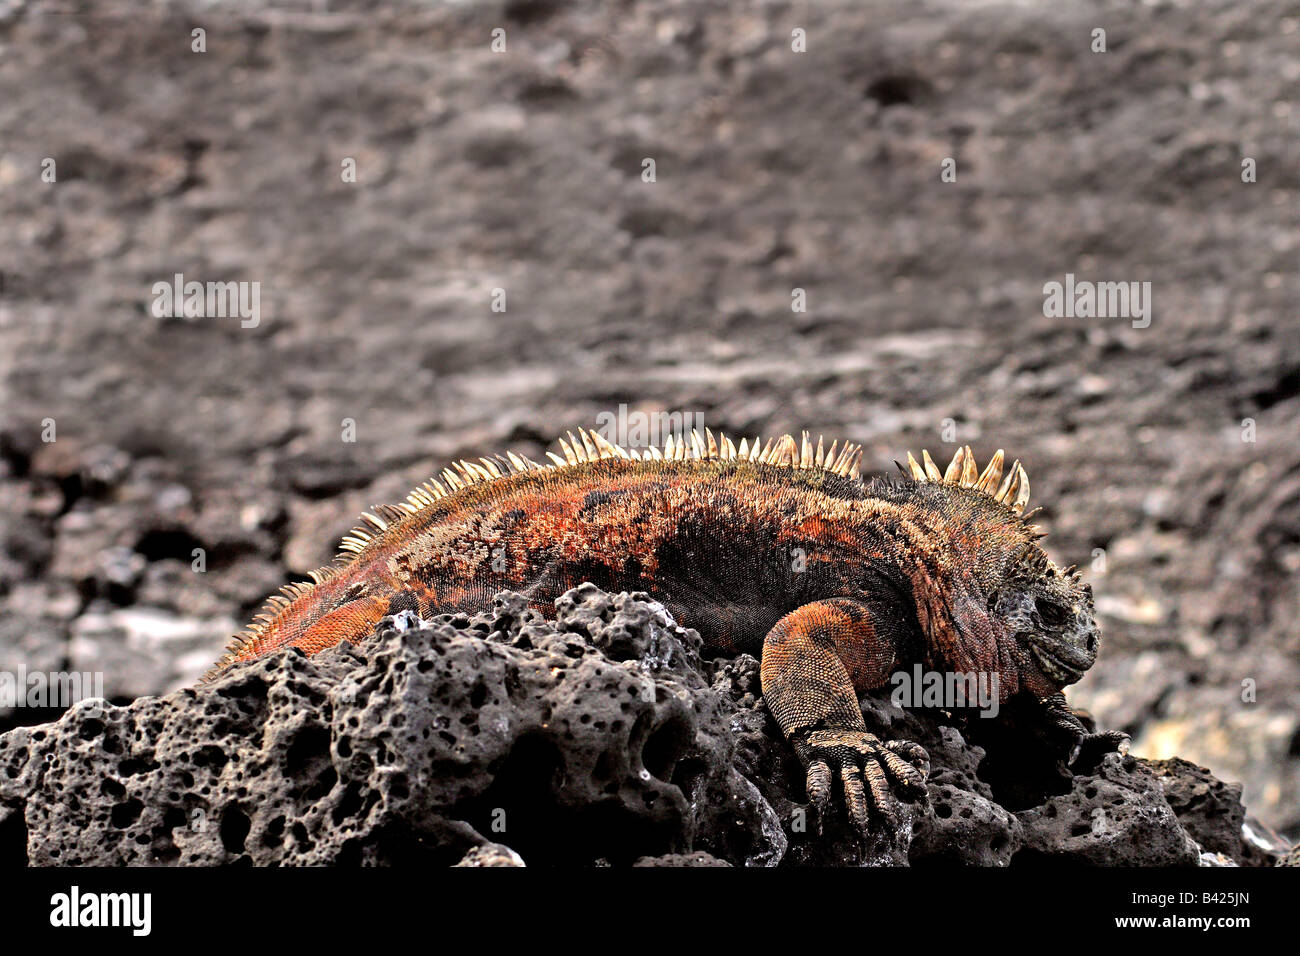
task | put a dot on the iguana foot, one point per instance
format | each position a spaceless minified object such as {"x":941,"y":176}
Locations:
{"x":865,"y":767}
{"x":1083,"y":747}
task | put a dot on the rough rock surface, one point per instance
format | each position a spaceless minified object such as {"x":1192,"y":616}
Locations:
{"x":601,"y":737}
{"x":491,"y":854}
{"x":1212,"y":813}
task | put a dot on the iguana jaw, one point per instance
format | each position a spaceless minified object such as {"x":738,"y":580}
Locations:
{"x":1061,"y":662}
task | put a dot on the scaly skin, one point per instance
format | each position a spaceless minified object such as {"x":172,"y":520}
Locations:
{"x":782,"y":552}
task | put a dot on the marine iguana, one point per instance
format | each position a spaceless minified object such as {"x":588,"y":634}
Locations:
{"x":777,"y":549}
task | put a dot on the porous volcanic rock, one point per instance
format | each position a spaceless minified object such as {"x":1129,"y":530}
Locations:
{"x":601,"y":737}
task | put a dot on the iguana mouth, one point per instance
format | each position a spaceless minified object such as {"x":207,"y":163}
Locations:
{"x":1060,"y":661}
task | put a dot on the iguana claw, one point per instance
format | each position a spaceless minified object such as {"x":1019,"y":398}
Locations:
{"x":1085,"y":747}
{"x":1090,"y":748}
{"x":865,"y":766}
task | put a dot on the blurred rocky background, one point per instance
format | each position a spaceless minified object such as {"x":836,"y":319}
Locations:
{"x":775,"y":170}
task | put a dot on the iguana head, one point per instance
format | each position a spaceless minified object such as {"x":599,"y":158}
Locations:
{"x":1006,"y":605}
{"x":1048,"y":615}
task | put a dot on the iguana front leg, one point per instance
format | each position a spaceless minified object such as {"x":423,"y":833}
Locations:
{"x":1083,"y":747}
{"x":815,"y":660}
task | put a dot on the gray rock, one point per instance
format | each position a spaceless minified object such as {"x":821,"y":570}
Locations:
{"x":420,"y":746}
{"x":491,"y":854}
{"x":1212,"y":813}
{"x":1117,"y":816}
{"x":597,"y":738}
{"x":681,"y":859}
{"x":964,"y":824}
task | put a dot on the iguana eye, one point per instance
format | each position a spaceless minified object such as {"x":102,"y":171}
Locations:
{"x":1051,"y":614}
